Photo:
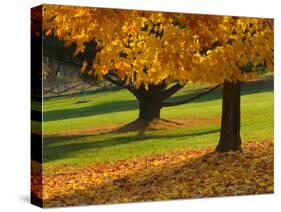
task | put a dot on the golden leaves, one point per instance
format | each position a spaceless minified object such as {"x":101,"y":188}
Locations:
{"x":170,"y":47}
{"x":181,"y":174}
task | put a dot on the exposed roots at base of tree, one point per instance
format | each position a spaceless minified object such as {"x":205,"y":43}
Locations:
{"x":142,"y":125}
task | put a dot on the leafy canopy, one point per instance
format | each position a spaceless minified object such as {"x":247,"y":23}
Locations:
{"x":143,"y":47}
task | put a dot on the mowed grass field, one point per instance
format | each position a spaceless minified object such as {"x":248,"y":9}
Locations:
{"x":78,"y":134}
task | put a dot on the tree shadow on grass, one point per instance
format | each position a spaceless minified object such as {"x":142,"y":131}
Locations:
{"x":103,"y":108}
{"x":63,"y":150}
{"x":128,"y":105}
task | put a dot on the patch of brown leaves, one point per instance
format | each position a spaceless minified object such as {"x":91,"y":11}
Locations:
{"x":182,"y":174}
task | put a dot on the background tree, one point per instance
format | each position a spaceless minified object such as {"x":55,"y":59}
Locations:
{"x":146,"y":52}
{"x":60,"y":64}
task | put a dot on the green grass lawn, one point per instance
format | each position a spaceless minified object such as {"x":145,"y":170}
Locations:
{"x":110,"y":108}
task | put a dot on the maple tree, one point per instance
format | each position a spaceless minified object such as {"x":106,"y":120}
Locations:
{"x":154,"y":54}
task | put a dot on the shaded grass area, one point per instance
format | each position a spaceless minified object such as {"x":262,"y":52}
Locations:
{"x":99,"y":148}
{"x":120,"y":107}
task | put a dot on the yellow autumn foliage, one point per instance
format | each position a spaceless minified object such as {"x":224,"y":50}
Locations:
{"x":165,"y":47}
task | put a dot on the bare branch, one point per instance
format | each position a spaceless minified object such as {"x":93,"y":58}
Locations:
{"x":171,"y":104}
{"x":120,"y":83}
{"x":165,"y":94}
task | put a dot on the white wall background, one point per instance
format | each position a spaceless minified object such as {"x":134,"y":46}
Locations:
{"x":15,"y":102}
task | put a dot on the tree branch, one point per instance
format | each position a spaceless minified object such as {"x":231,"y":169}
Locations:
{"x":171,"y":104}
{"x":113,"y":81}
{"x":107,"y":77}
{"x":121,"y":84}
{"x":165,"y":94}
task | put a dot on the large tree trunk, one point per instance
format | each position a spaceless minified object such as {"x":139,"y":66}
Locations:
{"x":230,"y":139}
{"x":150,"y":103}
{"x":151,"y":100}
{"x":149,"y":109}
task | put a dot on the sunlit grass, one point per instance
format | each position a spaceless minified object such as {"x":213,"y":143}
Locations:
{"x":120,"y":107}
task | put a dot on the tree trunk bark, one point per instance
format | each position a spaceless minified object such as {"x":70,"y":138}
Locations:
{"x":149,"y":103}
{"x":149,"y":110}
{"x":230,"y":139}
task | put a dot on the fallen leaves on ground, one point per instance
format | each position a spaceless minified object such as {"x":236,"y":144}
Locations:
{"x":182,"y":174}
{"x":36,"y":180}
